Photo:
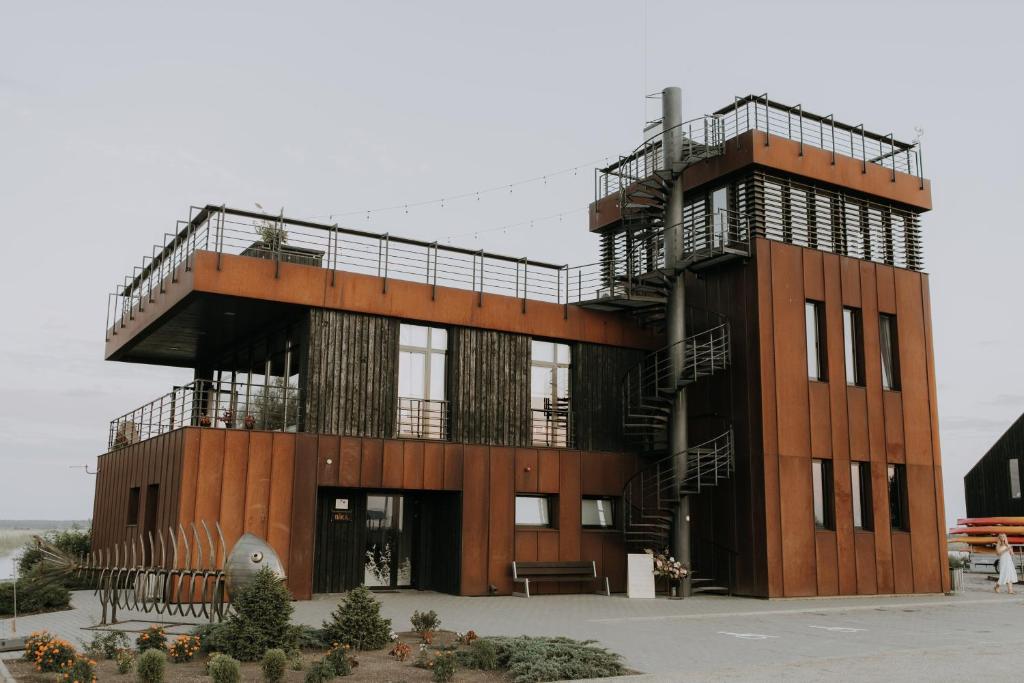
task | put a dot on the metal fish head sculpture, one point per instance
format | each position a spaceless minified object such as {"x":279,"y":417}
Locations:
{"x":250,"y":555}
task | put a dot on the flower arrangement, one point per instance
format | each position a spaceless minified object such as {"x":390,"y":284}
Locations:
{"x":153,"y":638}
{"x":79,"y":670}
{"x":467,"y":638}
{"x":204,"y":421}
{"x":49,"y":654}
{"x":400,"y":651}
{"x":250,"y":421}
{"x":668,"y":567}
{"x":183,"y":649}
{"x":228,"y":418}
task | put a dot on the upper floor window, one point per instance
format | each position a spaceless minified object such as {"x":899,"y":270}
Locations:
{"x":1014,"y":478}
{"x":899,"y":517}
{"x":133,"y":506}
{"x":860,"y":481}
{"x":888,"y":341}
{"x":817,"y":356}
{"x":422,"y":408}
{"x":853,"y":343}
{"x":821,"y":484}
{"x":549,"y":393}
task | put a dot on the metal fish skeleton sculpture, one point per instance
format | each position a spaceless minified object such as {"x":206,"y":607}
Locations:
{"x":158,"y":579}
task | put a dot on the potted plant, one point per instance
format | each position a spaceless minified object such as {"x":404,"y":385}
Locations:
{"x":204,"y":420}
{"x":273,"y":244}
{"x":250,"y":422}
{"x":228,"y":418}
{"x":672,"y":570}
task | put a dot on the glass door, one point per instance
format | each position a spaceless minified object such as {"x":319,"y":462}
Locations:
{"x":388,"y":554}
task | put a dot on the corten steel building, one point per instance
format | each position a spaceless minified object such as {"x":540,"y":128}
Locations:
{"x":993,"y":486}
{"x":745,"y":372}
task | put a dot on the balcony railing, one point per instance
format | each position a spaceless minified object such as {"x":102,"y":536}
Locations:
{"x":422,"y":418}
{"x":552,"y":426}
{"x":211,"y":403}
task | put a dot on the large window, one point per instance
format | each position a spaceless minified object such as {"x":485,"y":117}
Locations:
{"x":817,"y":355}
{"x":821,"y":483}
{"x":533,"y":511}
{"x":422,"y":408}
{"x":549,"y":393}
{"x":853,"y":343}
{"x":1014,"y":478}
{"x":598,"y":513}
{"x":888,"y":341}
{"x":860,"y":480}
{"x":898,"y":513}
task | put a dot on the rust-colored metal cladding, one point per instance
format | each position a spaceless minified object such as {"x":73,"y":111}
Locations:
{"x":248,"y":558}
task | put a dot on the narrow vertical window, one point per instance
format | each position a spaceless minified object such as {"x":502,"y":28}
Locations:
{"x":422,"y":408}
{"x":814,"y":314}
{"x":1014,"y":478}
{"x":853,"y":344}
{"x":133,"y":506}
{"x":860,"y":481}
{"x":821,"y":484}
{"x":888,"y":341}
{"x":549,"y":393}
{"x":898,"y":516}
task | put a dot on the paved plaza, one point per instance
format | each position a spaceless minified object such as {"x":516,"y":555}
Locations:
{"x":976,"y":634}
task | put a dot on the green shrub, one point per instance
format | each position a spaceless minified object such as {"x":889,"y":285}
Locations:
{"x":340,"y":659}
{"x":74,"y":541}
{"x":184,"y":648}
{"x":224,"y":669}
{"x":481,"y":654}
{"x":211,"y":637}
{"x":444,"y":667}
{"x":150,"y":666}
{"x":528,"y":659}
{"x":425,"y":623}
{"x":295,"y":659}
{"x":357,"y":622}
{"x":37,"y":592}
{"x":320,"y":671}
{"x":125,"y":661}
{"x":260,"y":619}
{"x":274,"y":663}
{"x":54,"y":655}
{"x":106,"y":645}
{"x":153,"y":638}
{"x":81,"y":670}
{"x":308,"y":637}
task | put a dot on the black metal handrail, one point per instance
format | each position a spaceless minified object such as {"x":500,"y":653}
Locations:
{"x":423,"y":418}
{"x":552,"y":426}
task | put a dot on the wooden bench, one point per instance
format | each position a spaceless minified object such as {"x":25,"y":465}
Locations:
{"x":527,"y":572}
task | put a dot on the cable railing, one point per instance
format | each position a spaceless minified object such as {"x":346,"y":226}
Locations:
{"x":423,"y":418}
{"x":757,"y":112}
{"x":551,"y":426}
{"x":701,"y":138}
{"x":211,"y":403}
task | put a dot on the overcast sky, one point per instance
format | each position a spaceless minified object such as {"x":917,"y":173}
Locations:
{"x":115,"y":117}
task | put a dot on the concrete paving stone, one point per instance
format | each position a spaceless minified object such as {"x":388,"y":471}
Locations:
{"x":918,"y":637}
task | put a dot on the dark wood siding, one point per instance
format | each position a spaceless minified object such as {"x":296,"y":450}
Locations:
{"x":352,"y":374}
{"x":489,"y":387}
{"x":596,"y":393}
{"x":987,"y":485}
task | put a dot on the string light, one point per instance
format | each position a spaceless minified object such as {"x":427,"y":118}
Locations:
{"x":574,"y":170}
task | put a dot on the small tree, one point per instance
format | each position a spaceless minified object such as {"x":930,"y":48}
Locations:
{"x":150,"y":666}
{"x":274,"y":663}
{"x":357,"y":622}
{"x":261,"y":618}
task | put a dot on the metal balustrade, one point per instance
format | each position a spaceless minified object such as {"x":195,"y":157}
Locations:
{"x":211,"y":403}
{"x":552,"y":427}
{"x":423,"y":418}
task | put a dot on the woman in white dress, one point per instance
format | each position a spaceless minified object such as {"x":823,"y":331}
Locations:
{"x":1004,"y":560}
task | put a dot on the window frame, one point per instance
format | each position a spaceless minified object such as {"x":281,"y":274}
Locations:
{"x":823,"y":484}
{"x":613,"y":503}
{"x":817,"y":309}
{"x":1015,"y":478}
{"x":134,"y":500}
{"x":552,"y":511}
{"x":422,"y":418}
{"x":888,"y":320}
{"x":860,"y":495}
{"x":899,"y":510}
{"x":853,"y":346}
{"x":550,"y":435}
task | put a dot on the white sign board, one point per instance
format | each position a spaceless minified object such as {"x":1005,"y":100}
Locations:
{"x":639,"y":575}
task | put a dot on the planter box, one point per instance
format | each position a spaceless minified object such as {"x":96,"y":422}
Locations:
{"x":289,"y":254}
{"x":956,"y":580}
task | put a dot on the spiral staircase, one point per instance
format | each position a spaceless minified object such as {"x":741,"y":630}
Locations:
{"x":637,"y":279}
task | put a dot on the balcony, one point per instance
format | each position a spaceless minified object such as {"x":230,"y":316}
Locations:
{"x":272,"y":406}
{"x":422,"y":418}
{"x":551,"y":426}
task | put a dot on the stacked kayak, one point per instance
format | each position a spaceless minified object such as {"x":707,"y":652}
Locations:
{"x":981,"y":533}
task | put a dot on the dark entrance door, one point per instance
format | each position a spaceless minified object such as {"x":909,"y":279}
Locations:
{"x":386,"y":540}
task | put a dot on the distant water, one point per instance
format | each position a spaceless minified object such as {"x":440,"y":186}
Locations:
{"x":7,"y":565}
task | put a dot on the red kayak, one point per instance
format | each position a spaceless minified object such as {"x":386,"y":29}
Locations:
{"x":991,"y":521}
